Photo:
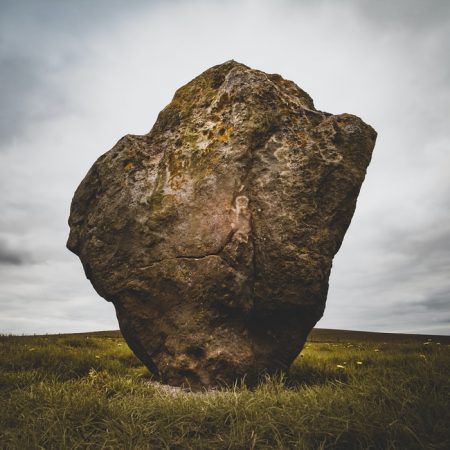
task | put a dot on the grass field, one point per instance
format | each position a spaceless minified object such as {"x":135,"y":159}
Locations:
{"x":347,"y":390}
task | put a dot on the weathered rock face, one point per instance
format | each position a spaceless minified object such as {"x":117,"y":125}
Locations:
{"x":214,"y":234}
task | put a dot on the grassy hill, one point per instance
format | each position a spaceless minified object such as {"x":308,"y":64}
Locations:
{"x":347,"y":390}
{"x":321,"y":335}
{"x":327,"y":335}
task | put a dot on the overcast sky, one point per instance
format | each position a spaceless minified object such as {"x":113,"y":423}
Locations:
{"x":78,"y":75}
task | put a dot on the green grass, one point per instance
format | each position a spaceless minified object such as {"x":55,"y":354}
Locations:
{"x":359,"y":391}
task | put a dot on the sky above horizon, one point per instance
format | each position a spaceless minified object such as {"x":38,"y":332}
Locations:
{"x":77,"y":76}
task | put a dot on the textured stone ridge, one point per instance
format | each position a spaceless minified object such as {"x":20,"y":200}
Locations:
{"x":213,"y":235}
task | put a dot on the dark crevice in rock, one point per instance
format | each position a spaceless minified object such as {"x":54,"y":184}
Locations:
{"x":247,"y":182}
{"x":188,"y":257}
{"x":254,"y":267}
{"x":218,"y":253}
{"x":228,"y":239}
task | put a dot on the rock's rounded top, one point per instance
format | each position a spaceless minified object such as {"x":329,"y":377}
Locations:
{"x":214,"y":234}
{"x":224,"y":68}
{"x":232,"y":82}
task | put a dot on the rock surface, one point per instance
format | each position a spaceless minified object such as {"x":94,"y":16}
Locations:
{"x":214,"y":234}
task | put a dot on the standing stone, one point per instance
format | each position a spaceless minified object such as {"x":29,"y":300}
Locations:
{"x":213,"y":235}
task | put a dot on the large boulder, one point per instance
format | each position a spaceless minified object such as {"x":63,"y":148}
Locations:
{"x":213,"y":235}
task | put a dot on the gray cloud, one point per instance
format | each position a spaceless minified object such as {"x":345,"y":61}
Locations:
{"x":415,"y":15}
{"x":438,"y":301}
{"x":9,"y":256}
{"x":40,"y":39}
{"x":28,"y":95}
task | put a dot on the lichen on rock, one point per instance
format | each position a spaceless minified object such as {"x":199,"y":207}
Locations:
{"x":214,"y":234}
